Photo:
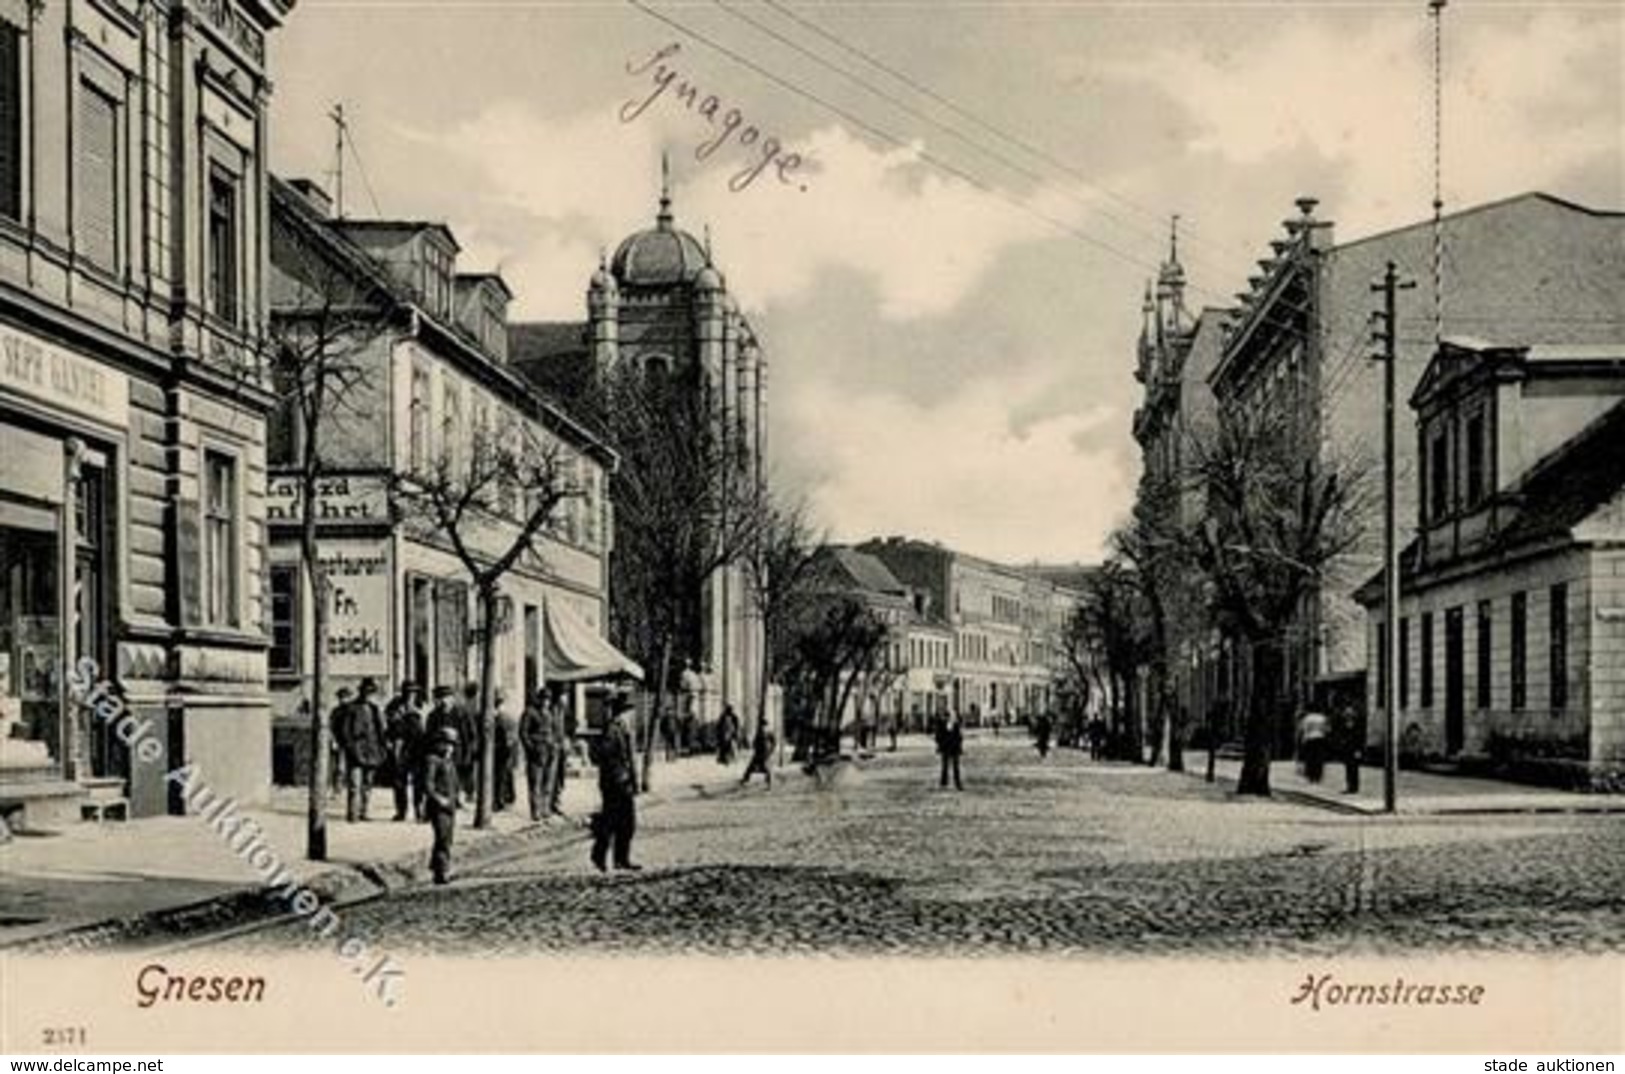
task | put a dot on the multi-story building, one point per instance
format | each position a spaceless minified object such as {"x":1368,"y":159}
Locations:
{"x":1005,"y":625}
{"x":132,"y":407}
{"x":1512,"y":607}
{"x":1529,"y":267}
{"x":426,"y":376}
{"x":661,"y":307}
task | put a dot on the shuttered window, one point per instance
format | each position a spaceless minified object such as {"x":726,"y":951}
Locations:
{"x":95,"y":205}
{"x":11,"y":122}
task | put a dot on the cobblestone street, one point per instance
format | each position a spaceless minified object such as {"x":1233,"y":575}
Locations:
{"x":1058,"y":856}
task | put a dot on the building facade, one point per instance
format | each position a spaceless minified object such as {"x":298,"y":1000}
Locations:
{"x":1004,"y":626}
{"x":661,"y":309}
{"x":132,"y":408}
{"x":426,"y":380}
{"x":1528,"y":267}
{"x":1511,"y":628}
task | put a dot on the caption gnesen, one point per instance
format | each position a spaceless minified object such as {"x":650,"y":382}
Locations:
{"x":1324,"y":989}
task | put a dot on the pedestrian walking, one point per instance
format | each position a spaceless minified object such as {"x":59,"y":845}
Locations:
{"x":761,"y":755}
{"x":617,"y":819}
{"x":950,"y":744}
{"x":727,"y":735}
{"x":440,"y":800}
{"x":1097,"y":738}
{"x":1314,"y":730}
{"x":403,"y":735}
{"x":1043,"y":727}
{"x":1350,"y":733}
{"x":358,"y":728}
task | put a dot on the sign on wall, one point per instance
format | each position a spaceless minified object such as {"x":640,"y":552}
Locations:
{"x":62,"y":378}
{"x":358,"y":587}
{"x":345,"y":499}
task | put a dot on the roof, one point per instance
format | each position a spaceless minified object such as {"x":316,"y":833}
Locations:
{"x":535,"y":340}
{"x":1473,"y":210}
{"x":867,"y":571}
{"x":477,"y":279}
{"x":411,"y":227}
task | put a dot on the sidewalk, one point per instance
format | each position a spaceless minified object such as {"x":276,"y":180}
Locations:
{"x":1418,"y":793}
{"x":117,"y":882}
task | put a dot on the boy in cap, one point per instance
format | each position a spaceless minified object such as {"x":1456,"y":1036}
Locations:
{"x":440,"y":799}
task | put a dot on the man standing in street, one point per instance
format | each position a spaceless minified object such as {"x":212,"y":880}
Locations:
{"x":1313,"y":732}
{"x":539,"y":759}
{"x":470,"y":739}
{"x":727,"y":735}
{"x":617,"y":820}
{"x":1043,"y":726}
{"x":403,"y":731}
{"x":440,"y":800}
{"x":950,"y":744}
{"x":561,"y":732}
{"x":359,"y":730}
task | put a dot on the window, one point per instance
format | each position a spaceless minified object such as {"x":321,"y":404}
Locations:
{"x":419,"y":436}
{"x":1427,"y":660}
{"x":11,"y":122}
{"x":1439,"y":473}
{"x":1476,"y":468}
{"x":284,"y":656}
{"x":1557,"y":655}
{"x":1520,"y":649}
{"x":95,"y":171}
{"x":219,"y":539}
{"x":451,"y":429}
{"x":223,"y":265}
{"x":1404,"y":663}
{"x":1485,"y":638}
{"x":436,"y":279}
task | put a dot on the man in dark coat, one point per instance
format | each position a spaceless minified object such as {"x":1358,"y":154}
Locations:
{"x":440,"y":799}
{"x":539,"y":762}
{"x":950,"y":744}
{"x":505,"y":750}
{"x":1043,"y":727}
{"x":403,"y":732}
{"x":761,"y":754}
{"x":470,"y":739}
{"x":727,"y":735}
{"x":617,"y":820}
{"x":359,"y":731}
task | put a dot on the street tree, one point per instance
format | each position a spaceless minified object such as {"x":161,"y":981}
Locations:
{"x":780,"y":571}
{"x":688,"y":504}
{"x":324,"y":360}
{"x":490,"y":500}
{"x":1279,"y":517}
{"x":1112,"y":623}
{"x":839,"y":644}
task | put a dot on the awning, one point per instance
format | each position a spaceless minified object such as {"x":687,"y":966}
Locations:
{"x":574,"y":652}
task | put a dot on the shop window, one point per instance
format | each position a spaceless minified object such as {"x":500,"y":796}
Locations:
{"x":30,"y":634}
{"x":224,"y":262}
{"x":420,"y":631}
{"x":220,"y":538}
{"x":451,"y":633}
{"x":1520,"y":650}
{"x":11,"y":122}
{"x":1557,"y":620}
{"x":284,"y":655}
{"x":96,"y":182}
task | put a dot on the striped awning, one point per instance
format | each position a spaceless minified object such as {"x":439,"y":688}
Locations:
{"x":574,"y":652}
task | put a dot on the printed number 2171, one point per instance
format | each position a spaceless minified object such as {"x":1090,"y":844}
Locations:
{"x":62,"y":1036}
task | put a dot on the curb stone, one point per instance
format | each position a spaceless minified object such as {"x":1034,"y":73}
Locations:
{"x":338,"y":887}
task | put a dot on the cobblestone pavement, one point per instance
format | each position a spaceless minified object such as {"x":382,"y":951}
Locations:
{"x":1057,"y":857}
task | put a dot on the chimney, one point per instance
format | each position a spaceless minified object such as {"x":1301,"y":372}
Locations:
{"x":314,"y":196}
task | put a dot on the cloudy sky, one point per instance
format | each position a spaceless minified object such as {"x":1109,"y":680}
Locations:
{"x":949,"y":286}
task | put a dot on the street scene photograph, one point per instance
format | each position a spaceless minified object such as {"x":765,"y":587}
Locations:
{"x":815,"y":481}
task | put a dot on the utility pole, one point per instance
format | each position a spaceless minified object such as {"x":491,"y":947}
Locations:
{"x":337,"y":116}
{"x":1387,"y":336}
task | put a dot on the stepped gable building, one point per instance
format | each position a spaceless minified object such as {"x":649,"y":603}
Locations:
{"x":1512,"y":605}
{"x":1530,"y":267}
{"x":431,"y":350}
{"x":132,"y":409}
{"x":661,"y":308}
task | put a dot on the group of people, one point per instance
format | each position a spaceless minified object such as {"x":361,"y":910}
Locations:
{"x":432,"y":753}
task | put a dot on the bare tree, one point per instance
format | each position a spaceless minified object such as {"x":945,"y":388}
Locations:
{"x":1279,"y":516}
{"x":839,"y":643}
{"x":780,"y":570}
{"x":1112,"y":622}
{"x":325,"y":324}
{"x":686,"y":506}
{"x":489,"y":503}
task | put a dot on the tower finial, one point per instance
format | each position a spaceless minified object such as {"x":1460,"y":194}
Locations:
{"x":663,"y":218}
{"x":708,"y":259}
{"x":1173,"y":239}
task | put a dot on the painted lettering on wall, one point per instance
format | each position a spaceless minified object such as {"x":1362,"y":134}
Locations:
{"x":59,"y":376}
{"x":358,"y":577}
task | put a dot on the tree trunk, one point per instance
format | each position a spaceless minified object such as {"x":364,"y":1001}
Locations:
{"x":655,"y":712}
{"x":1212,"y":747}
{"x":1176,"y":736}
{"x":320,"y":733}
{"x":1260,"y":722}
{"x":487,"y":716}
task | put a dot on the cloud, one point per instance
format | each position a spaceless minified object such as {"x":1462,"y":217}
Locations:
{"x":1360,"y":96}
{"x":921,"y":239}
{"x":960,"y":468}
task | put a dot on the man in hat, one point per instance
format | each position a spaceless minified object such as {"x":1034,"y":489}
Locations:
{"x":358,"y":728}
{"x":534,"y":739}
{"x":470,"y":739}
{"x":403,"y":731}
{"x":440,"y":799}
{"x":617,"y":820}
